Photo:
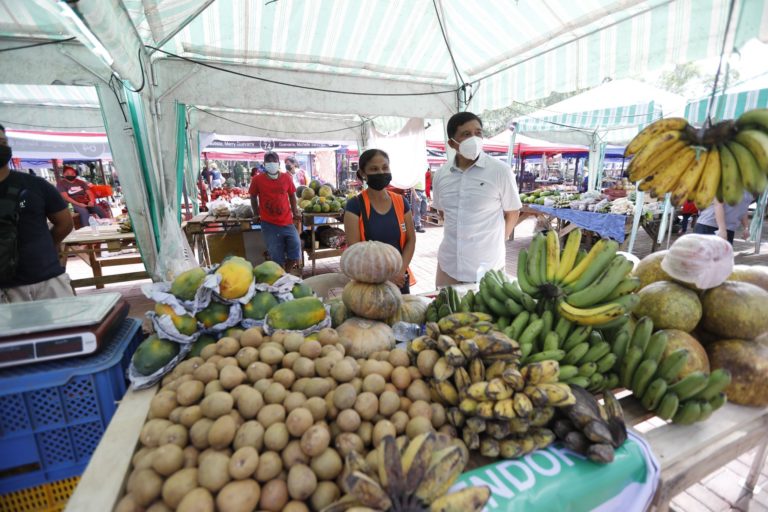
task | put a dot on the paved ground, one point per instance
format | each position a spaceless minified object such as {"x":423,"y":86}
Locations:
{"x":720,"y":491}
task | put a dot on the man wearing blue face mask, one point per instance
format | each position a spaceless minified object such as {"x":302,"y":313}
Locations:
{"x":480,"y":203}
{"x":273,"y":196}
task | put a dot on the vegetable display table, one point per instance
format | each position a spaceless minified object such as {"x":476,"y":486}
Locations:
{"x":205,"y":232}
{"x":311,"y":221}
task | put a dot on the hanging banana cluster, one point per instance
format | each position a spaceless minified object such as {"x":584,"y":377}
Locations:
{"x":655,"y":378}
{"x":588,"y":428}
{"x":723,"y":160}
{"x":499,"y":407}
{"x":410,"y":477}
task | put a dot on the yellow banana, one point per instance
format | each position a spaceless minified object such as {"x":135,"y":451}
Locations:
{"x":568,"y":257}
{"x":478,"y":391}
{"x":733,"y":188}
{"x":498,"y":390}
{"x":504,"y":409}
{"x":752,"y":176}
{"x":485,"y":410}
{"x":542,"y":371}
{"x":447,"y":392}
{"x":652,"y":131}
{"x":495,"y":370}
{"x":690,"y":178}
{"x":710,"y":179}
{"x":446,"y":465}
{"x":461,"y":378}
{"x":553,"y":255}
{"x":597,"y":315}
{"x":416,"y":459}
{"x":469,"y":499}
{"x":522,"y":405}
{"x":579,"y":269}
{"x":756,"y":141}
{"x":666,"y":179}
{"x":468,"y":406}
{"x":476,"y":370}
{"x":442,"y":370}
{"x":656,"y":161}
{"x":659,"y":143}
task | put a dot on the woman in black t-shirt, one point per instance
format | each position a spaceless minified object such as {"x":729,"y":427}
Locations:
{"x":381,"y":215}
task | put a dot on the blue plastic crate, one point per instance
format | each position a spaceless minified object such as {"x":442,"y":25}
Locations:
{"x":52,"y":415}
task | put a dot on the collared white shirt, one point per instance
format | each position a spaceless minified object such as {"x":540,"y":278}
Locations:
{"x":474,"y":202}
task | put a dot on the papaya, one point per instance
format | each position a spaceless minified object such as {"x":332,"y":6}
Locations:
{"x":185,"y":285}
{"x":215,"y":313}
{"x":296,"y":314}
{"x":300,"y":290}
{"x":339,"y":312}
{"x":154,"y":353}
{"x":259,"y":306}
{"x":203,"y":341}
{"x":185,"y":324}
{"x":236,"y":277}
{"x":268,"y":272}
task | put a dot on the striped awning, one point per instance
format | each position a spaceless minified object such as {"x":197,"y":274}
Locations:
{"x":49,"y":95}
{"x":625,"y":116}
{"x":727,"y":106}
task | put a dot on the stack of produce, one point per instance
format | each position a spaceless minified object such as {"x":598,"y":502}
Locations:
{"x":668,"y":158}
{"x":317,"y":198}
{"x":410,"y":477}
{"x":258,"y":421}
{"x":713,"y":310}
{"x":501,"y":408}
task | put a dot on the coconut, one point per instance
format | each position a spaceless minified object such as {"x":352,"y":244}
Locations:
{"x":735,"y":310}
{"x":748,"y":363}
{"x":753,"y":274}
{"x":669,"y":305}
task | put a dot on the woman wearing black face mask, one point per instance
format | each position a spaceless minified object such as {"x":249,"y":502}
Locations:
{"x":381,"y":215}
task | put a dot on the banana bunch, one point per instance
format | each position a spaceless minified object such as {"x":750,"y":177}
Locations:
{"x":585,"y":356}
{"x":723,"y":160}
{"x":410,"y":477}
{"x":447,"y":302}
{"x":588,"y":428}
{"x":656,"y":381}
{"x":590,"y":288}
{"x":501,"y":298}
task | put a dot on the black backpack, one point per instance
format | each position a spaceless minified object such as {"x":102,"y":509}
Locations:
{"x":9,"y":230}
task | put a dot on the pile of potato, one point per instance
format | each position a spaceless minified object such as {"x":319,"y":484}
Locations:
{"x":260,"y":422}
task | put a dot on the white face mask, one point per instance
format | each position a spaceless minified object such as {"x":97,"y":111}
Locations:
{"x":470,"y":148}
{"x":272,"y":168}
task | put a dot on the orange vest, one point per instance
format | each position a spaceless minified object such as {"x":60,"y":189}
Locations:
{"x":397,"y":203}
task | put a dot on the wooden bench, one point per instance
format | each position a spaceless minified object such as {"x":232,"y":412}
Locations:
{"x":686,"y":453}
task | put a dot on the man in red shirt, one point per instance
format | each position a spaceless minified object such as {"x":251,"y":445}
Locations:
{"x":78,"y":193}
{"x":273,"y":196}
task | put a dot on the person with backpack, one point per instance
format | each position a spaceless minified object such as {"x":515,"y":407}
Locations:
{"x":29,"y":258}
{"x":381,"y":215}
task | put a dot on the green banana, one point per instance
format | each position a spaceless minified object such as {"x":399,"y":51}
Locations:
{"x":596,"y":382}
{"x":534,"y":257}
{"x":563,"y":328}
{"x":529,"y":303}
{"x":522,"y":274}
{"x":653,"y":394}
{"x":627,"y":285}
{"x":620,"y":345}
{"x":525,"y":349}
{"x":642,"y":334}
{"x":578,"y":381}
{"x":656,"y":347}
{"x":513,"y":291}
{"x":596,"y":268}
{"x":503,"y":322}
{"x":689,"y":385}
{"x":718,"y":401}
{"x":706,"y":410}
{"x":444,"y":311}
{"x":547,"y":318}
{"x":672,"y":364}
{"x":752,"y":176}
{"x":518,"y":324}
{"x":668,"y":406}
{"x":513,"y":308}
{"x":733,"y":188}
{"x":495,"y":306}
{"x":495,"y":288}
{"x":596,"y":337}
{"x":629,"y":364}
{"x":568,"y":371}
{"x":531,"y":333}
{"x":718,"y":380}
{"x":603,"y":285}
{"x":616,"y":322}
{"x":555,"y":355}
{"x":596,"y":352}
{"x":551,"y":341}
{"x":757,"y":117}
{"x":688,"y":413}
{"x":578,"y":336}
{"x":606,"y":363}
{"x":431,"y":314}
{"x":611,"y":381}
{"x":587,"y":369}
{"x":643,"y":376}
{"x":574,"y":355}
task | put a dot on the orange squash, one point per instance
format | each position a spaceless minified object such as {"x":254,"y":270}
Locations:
{"x":374,"y":301}
{"x":371,"y":262}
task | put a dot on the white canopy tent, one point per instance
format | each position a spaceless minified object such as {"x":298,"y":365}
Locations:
{"x":263,"y":66}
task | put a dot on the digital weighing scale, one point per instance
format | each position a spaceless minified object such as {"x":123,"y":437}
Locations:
{"x":32,"y":332}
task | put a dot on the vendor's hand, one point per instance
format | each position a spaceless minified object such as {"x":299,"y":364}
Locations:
{"x":745,"y":233}
{"x":296,"y":215}
{"x":722,"y":234}
{"x":399,"y":279}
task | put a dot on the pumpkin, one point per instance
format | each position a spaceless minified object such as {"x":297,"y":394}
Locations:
{"x":374,"y":301}
{"x":361,"y":337}
{"x":413,"y":310}
{"x":371,"y":262}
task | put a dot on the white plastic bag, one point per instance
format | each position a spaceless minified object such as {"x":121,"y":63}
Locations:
{"x":175,"y":254}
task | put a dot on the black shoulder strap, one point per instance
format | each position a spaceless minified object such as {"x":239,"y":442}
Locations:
{"x":363,"y":216}
{"x":9,"y":204}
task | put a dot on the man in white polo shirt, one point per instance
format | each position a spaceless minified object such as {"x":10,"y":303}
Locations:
{"x":481,"y":205}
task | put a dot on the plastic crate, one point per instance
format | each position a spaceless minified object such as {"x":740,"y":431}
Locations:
{"x":52,"y":415}
{"x":51,"y":497}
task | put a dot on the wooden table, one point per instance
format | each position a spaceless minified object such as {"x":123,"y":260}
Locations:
{"x":310,"y":222}
{"x":88,"y":246}
{"x":205,"y":224}
{"x":686,"y":453}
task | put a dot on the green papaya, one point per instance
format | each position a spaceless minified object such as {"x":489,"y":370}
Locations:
{"x":300,"y":290}
{"x":268,"y":272}
{"x":185,"y":285}
{"x":297,"y":314}
{"x":259,"y":306}
{"x":154,"y":353}
{"x":215,"y":313}
{"x":203,"y":341}
{"x":185,"y":324}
